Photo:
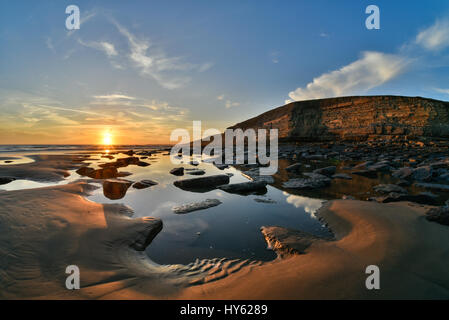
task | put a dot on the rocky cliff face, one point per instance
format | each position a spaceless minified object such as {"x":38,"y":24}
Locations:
{"x":356,"y":118}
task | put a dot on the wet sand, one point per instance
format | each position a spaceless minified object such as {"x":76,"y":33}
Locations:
{"x":44,"y":230}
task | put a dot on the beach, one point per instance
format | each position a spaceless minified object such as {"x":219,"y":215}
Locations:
{"x":44,"y":230}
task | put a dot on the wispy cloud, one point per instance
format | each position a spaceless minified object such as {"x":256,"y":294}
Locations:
{"x":371,"y":70}
{"x":446,"y":91}
{"x":435,"y":37}
{"x":228,"y":103}
{"x":114,"y":97}
{"x":152,"y":61}
{"x":104,"y":46}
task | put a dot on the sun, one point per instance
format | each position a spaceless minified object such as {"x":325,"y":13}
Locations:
{"x":107,"y":138}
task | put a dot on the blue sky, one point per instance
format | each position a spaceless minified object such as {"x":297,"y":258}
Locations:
{"x":141,"y":68}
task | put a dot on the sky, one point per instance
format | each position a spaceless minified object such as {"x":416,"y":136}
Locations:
{"x":136,"y":70}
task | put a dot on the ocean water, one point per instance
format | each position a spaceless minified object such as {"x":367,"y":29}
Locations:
{"x":229,"y":230}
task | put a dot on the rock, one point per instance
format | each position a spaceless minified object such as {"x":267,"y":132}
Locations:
{"x":194,"y":163}
{"x":202,"y":183}
{"x":185,"y":208}
{"x":288,"y":241}
{"x":313,"y":182}
{"x":403,"y":173}
{"x":105,"y":173}
{"x":115,"y":188}
{"x":129,"y":152}
{"x":422,"y":173}
{"x":366,"y":173}
{"x":221,"y":166}
{"x":143,"y":164}
{"x":294,"y":167}
{"x":177,"y":171}
{"x":436,"y":186}
{"x":144,"y":184}
{"x":362,"y":165}
{"x":244,"y":187}
{"x":348,"y":197}
{"x":341,"y":176}
{"x":387,"y":188}
{"x":439,"y":215}
{"x":196,"y":172}
{"x":422,"y":198}
{"x":5,"y":180}
{"x":85,"y":171}
{"x":254,"y":175}
{"x":327,"y":171}
{"x":9,"y":161}
{"x":404,"y":183}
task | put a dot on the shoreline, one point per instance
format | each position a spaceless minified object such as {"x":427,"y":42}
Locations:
{"x":46,"y":229}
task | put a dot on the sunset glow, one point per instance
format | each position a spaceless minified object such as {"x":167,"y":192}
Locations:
{"x":107,"y":138}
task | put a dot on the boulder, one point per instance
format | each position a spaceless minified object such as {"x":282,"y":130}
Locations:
{"x":85,"y":171}
{"x":105,"y":173}
{"x":287,"y":241}
{"x":341,"y":176}
{"x":387,"y":188}
{"x":144,"y":184}
{"x":115,"y":188}
{"x":244,"y":187}
{"x":327,"y":171}
{"x":177,"y":171}
{"x":439,"y":215}
{"x":196,"y":172}
{"x":403,"y":173}
{"x":366,"y":173}
{"x":185,"y":208}
{"x":202,"y":183}
{"x":5,"y":180}
{"x":313,"y":181}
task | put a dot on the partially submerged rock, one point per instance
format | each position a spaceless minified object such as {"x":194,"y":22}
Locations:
{"x":5,"y":180}
{"x":294,"y":167}
{"x":115,"y":188}
{"x":244,"y":187}
{"x":185,"y":208}
{"x":196,"y":172}
{"x":327,"y":171}
{"x":288,"y":241}
{"x":105,"y":173}
{"x":421,"y":198}
{"x":366,"y":173}
{"x":202,"y":183}
{"x":313,"y":181}
{"x":387,"y":188}
{"x":177,"y":171}
{"x":439,"y":215}
{"x":254,"y":175}
{"x":144,"y":184}
{"x":341,"y":176}
{"x":436,"y":186}
{"x":264,"y":200}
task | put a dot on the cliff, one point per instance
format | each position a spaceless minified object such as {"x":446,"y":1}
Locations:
{"x":356,"y":118}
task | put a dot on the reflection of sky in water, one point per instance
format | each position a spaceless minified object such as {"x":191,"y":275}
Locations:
{"x":231,"y":229}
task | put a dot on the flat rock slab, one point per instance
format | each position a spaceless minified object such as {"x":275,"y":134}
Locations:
{"x":387,"y":188}
{"x":202,"y":183}
{"x":196,"y":172}
{"x":195,"y":206}
{"x":244,"y":187}
{"x":288,"y":241}
{"x":144,"y":184}
{"x":342,"y":176}
{"x":313,"y":181}
{"x":436,"y":186}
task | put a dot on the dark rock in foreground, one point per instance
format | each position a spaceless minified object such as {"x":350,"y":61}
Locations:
{"x":288,"y":241}
{"x":202,"y":183}
{"x":115,"y":188}
{"x":439,"y":215}
{"x":5,"y":180}
{"x":186,"y":208}
{"x":313,"y":181}
{"x":244,"y":187}
{"x":177,"y":171}
{"x":144,"y":184}
{"x":422,"y":198}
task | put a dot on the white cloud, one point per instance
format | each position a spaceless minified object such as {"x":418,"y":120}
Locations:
{"x":106,"y":47}
{"x":230,"y":104}
{"x":371,"y":70}
{"x":446,"y":91}
{"x":153,"y":62}
{"x":114,"y":97}
{"x":308,"y":204}
{"x":220,"y":97}
{"x":436,"y":37}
